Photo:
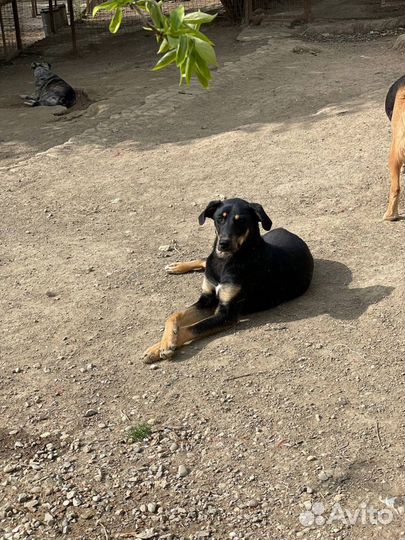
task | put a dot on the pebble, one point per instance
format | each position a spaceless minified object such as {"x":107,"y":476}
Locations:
{"x":31,"y":505}
{"x":10,"y":468}
{"x":182,"y":471}
{"x":323,"y":476}
{"x":89,"y":413}
{"x":152,"y":508}
{"x":49,"y":519}
{"x":311,"y":458}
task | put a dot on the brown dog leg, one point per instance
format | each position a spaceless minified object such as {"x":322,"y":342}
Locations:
{"x":185,"y":267}
{"x":397,"y":155}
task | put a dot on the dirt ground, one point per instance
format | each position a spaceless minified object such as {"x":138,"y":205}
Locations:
{"x":296,"y":406}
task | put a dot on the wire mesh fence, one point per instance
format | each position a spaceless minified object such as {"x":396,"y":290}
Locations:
{"x":9,"y":44}
{"x":25,"y":22}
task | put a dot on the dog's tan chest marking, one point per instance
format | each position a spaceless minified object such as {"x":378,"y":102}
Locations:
{"x":226,"y":292}
{"x":207,"y":286}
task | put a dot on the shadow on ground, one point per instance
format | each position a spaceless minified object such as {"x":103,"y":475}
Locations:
{"x":329,"y":294}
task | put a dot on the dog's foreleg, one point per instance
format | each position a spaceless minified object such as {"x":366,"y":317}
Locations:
{"x":31,"y":103}
{"x":226,"y":315}
{"x":397,"y":155}
{"x":185,"y":267}
{"x":392,"y":210}
{"x":202,"y":309}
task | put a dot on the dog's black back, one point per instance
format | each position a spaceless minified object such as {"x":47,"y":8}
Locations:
{"x":390,"y":99}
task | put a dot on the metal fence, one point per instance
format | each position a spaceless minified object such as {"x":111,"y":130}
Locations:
{"x":69,"y":24}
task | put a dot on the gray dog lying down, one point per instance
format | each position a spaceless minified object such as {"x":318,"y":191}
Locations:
{"x":50,"y":89}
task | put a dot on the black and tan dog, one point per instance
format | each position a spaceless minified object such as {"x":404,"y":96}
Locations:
{"x":245,"y":272}
{"x":50,"y":88}
{"x":395,"y":109}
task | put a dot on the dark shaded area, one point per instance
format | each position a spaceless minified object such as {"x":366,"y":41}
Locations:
{"x":328,"y":294}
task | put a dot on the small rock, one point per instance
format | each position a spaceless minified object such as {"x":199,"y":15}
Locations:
{"x":89,"y":413}
{"x":168,"y":247}
{"x":49,"y":519}
{"x":23,"y":497}
{"x":182,"y":471}
{"x":173,"y":447}
{"x":31,"y":505}
{"x":146,"y":534}
{"x":152,"y":508}
{"x":323,"y":476}
{"x":311,"y":458}
{"x":88,"y":513}
{"x":10,"y":468}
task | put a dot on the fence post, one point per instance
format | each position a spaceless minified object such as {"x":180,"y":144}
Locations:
{"x":248,"y":11}
{"x":72,"y":25}
{"x":16,"y":25}
{"x":51,"y":18}
{"x":3,"y":35}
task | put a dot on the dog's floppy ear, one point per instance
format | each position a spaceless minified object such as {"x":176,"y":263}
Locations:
{"x":209,"y":211}
{"x":261,"y":216}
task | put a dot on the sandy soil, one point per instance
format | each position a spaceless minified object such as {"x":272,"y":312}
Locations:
{"x":298,"y":405}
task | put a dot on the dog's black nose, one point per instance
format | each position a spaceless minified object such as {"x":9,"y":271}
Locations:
{"x":224,"y":244}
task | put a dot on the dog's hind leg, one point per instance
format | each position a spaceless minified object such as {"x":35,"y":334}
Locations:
{"x":395,"y":167}
{"x":397,"y":155}
{"x":185,"y":267}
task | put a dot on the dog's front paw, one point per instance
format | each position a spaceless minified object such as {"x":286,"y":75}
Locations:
{"x":174,"y":268}
{"x":152,"y":355}
{"x":169,"y":343}
{"x":391,"y":217}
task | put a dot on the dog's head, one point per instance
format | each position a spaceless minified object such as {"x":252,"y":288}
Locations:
{"x":236,"y":221}
{"x":41,"y":65}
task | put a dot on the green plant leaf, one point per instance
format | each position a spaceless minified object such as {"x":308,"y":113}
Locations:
{"x":154,"y":10}
{"x":202,"y":67}
{"x":181,"y":50}
{"x":176,"y":17}
{"x":198,"y":17}
{"x":187,"y":29}
{"x":164,"y":46}
{"x":166,"y":60}
{"x":173,"y":41}
{"x":188,"y":72}
{"x":206,"y":51}
{"x":203,"y":81}
{"x":105,"y":5}
{"x":116,"y":21}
